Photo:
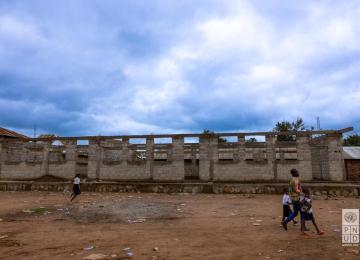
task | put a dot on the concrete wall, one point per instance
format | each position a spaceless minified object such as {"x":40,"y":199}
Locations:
{"x":211,"y":160}
{"x":18,"y":158}
{"x":173,"y":168}
{"x":25,"y":160}
{"x":243,"y":162}
{"x":116,"y":162}
{"x":294,"y":155}
{"x":327,"y":158}
{"x":336,"y":161}
{"x":61,"y":160}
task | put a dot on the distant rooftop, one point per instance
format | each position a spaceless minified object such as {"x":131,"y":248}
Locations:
{"x":7,"y":133}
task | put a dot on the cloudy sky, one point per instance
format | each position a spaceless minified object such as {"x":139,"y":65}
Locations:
{"x":125,"y":67}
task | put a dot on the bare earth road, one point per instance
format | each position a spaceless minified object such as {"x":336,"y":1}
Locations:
{"x":39,"y":225}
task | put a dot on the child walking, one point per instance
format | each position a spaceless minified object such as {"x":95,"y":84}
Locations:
{"x":295,"y":190}
{"x":286,"y":201}
{"x":76,"y":187}
{"x":307,"y":213}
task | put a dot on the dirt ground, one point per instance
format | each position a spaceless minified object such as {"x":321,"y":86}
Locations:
{"x":39,"y":225}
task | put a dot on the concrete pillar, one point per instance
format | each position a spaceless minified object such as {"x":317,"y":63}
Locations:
{"x":204,"y":158}
{"x":271,"y":155}
{"x":178,"y":158}
{"x":336,"y":160}
{"x":94,"y":160}
{"x":207,"y":153}
{"x":241,"y":151}
{"x":70,"y":148}
{"x":304,"y":157}
{"x":214,"y":155}
{"x":125,"y":150}
{"x":150,"y":157}
{"x":44,"y":170}
{"x":70,"y":165}
{"x":193,"y":160}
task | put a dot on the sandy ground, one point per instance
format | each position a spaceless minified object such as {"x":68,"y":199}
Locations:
{"x":39,"y":225}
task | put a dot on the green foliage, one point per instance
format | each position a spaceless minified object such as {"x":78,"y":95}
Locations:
{"x":352,"y":140}
{"x":209,"y":132}
{"x":286,"y":126}
{"x":38,"y":211}
{"x":251,"y":140}
{"x":298,"y":125}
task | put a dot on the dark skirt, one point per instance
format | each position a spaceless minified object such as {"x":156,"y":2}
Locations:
{"x":286,"y":211}
{"x":76,"y":189}
{"x":307,"y":216}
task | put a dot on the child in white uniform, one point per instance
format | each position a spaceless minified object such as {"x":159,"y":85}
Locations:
{"x":286,"y":201}
{"x":76,"y":187}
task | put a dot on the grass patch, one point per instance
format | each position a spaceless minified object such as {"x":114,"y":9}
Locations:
{"x":38,"y":211}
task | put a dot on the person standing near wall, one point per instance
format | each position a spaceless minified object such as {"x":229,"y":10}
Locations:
{"x":295,"y":190}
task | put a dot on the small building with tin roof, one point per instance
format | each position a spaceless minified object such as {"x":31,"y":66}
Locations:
{"x":351,"y":156}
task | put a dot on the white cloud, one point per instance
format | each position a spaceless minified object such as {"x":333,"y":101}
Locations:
{"x":269,"y":73}
{"x":123,"y":124}
{"x":15,"y":28}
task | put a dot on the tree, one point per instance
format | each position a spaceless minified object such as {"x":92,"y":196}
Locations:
{"x":352,"y":140}
{"x":286,"y":126}
{"x":209,"y":132}
{"x":251,"y":140}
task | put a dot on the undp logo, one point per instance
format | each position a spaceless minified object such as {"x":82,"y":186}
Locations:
{"x":350,"y":227}
{"x":350,"y":217}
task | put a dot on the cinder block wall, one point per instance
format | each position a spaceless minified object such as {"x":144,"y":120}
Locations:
{"x":302,"y":163}
{"x":62,"y":166}
{"x":115,"y":159}
{"x":24,"y":160}
{"x":20,"y":161}
{"x":109,"y":162}
{"x":174,"y":169}
{"x":243,"y":168}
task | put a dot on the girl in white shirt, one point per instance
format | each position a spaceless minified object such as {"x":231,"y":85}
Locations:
{"x":76,"y":187}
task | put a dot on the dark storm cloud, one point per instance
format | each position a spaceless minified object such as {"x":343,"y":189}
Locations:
{"x":100,"y":67}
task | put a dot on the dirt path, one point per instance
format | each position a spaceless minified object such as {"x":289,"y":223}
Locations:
{"x":159,"y":226}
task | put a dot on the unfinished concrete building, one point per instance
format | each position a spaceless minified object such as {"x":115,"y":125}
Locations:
{"x":177,"y":158}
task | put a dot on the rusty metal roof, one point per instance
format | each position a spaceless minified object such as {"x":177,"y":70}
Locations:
{"x":351,"y":152}
{"x":11,"y":134}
